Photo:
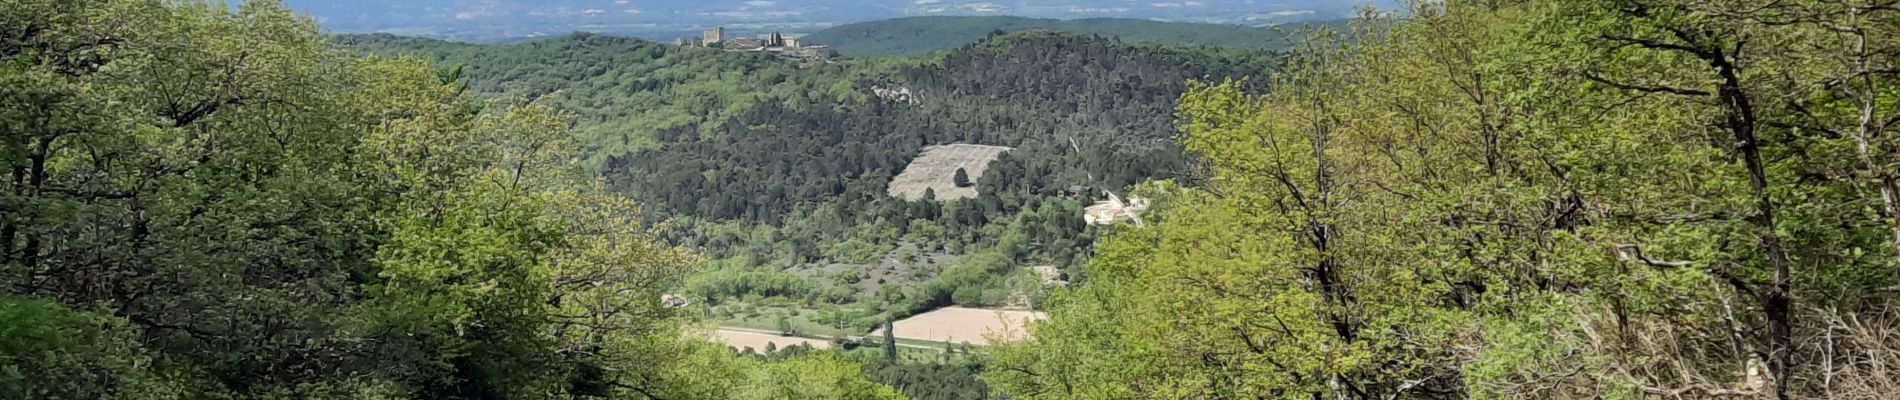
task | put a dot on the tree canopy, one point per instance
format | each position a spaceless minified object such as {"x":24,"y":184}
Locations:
{"x":1515,"y":199}
{"x":207,"y":201}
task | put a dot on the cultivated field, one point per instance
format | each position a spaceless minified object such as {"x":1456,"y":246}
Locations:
{"x":742,"y":339}
{"x":958,"y":325}
{"x":936,"y":169}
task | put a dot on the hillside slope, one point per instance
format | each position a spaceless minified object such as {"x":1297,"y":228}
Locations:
{"x":918,"y":35}
{"x":778,"y":170}
{"x":625,"y":90}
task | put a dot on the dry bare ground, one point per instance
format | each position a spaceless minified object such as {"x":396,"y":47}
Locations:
{"x":742,"y":339}
{"x":959,"y":325}
{"x":936,"y":170}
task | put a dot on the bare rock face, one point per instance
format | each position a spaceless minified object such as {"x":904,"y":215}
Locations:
{"x":899,"y":94}
{"x":935,"y":170}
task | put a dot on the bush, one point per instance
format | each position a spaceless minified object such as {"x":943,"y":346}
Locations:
{"x":53,"y":352}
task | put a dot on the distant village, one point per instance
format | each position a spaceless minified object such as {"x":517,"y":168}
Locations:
{"x":775,"y":43}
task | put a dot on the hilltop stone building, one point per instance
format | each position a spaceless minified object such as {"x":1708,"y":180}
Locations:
{"x":775,"y":43}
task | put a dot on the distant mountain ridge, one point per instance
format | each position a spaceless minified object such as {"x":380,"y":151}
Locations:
{"x":509,"y":20}
{"x":918,"y":35}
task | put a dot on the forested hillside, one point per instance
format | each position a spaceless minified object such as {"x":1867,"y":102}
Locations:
{"x":1496,"y":199}
{"x":780,"y":163}
{"x":206,"y":202}
{"x":919,"y":35}
{"x":625,"y":91}
{"x":777,"y":168}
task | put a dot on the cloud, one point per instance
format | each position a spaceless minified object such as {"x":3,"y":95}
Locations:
{"x":743,"y":14}
{"x":935,"y":7}
{"x":1277,"y":15}
{"x":761,"y":3}
{"x":486,"y":9}
{"x":1165,"y":5}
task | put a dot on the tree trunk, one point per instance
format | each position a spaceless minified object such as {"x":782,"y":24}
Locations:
{"x":1777,"y":304}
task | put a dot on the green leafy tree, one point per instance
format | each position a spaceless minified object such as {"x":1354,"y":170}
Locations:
{"x":1594,"y":186}
{"x":56,"y":352}
{"x":223,"y":207}
{"x":820,"y":376}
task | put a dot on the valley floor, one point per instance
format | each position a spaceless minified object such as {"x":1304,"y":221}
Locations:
{"x":964,"y":325}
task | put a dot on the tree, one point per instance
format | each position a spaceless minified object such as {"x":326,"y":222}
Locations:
{"x":961,"y":179}
{"x":823,"y":375}
{"x":57,"y":352}
{"x":890,"y":343}
{"x":1728,"y":62}
{"x":1586,"y":186}
{"x":130,"y":131}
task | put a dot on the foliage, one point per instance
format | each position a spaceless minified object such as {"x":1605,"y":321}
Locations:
{"x":934,"y":381}
{"x":822,"y":376}
{"x":737,"y":279}
{"x":628,"y":93}
{"x":205,"y":201}
{"x":1510,"y":200}
{"x":50,"y":351}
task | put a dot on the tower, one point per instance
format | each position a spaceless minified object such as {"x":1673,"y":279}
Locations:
{"x":714,"y":36}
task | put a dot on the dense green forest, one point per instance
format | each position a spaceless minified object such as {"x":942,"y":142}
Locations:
{"x":919,"y":35}
{"x":206,"y":202}
{"x":1499,"y":199}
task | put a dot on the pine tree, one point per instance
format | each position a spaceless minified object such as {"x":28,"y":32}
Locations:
{"x":962,"y":179}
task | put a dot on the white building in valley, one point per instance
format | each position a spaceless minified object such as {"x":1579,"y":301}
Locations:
{"x":1114,"y":209}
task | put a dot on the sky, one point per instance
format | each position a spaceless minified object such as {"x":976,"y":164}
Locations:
{"x":493,"y":19}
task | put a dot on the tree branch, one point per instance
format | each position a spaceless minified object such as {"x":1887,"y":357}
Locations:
{"x":1645,"y":88}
